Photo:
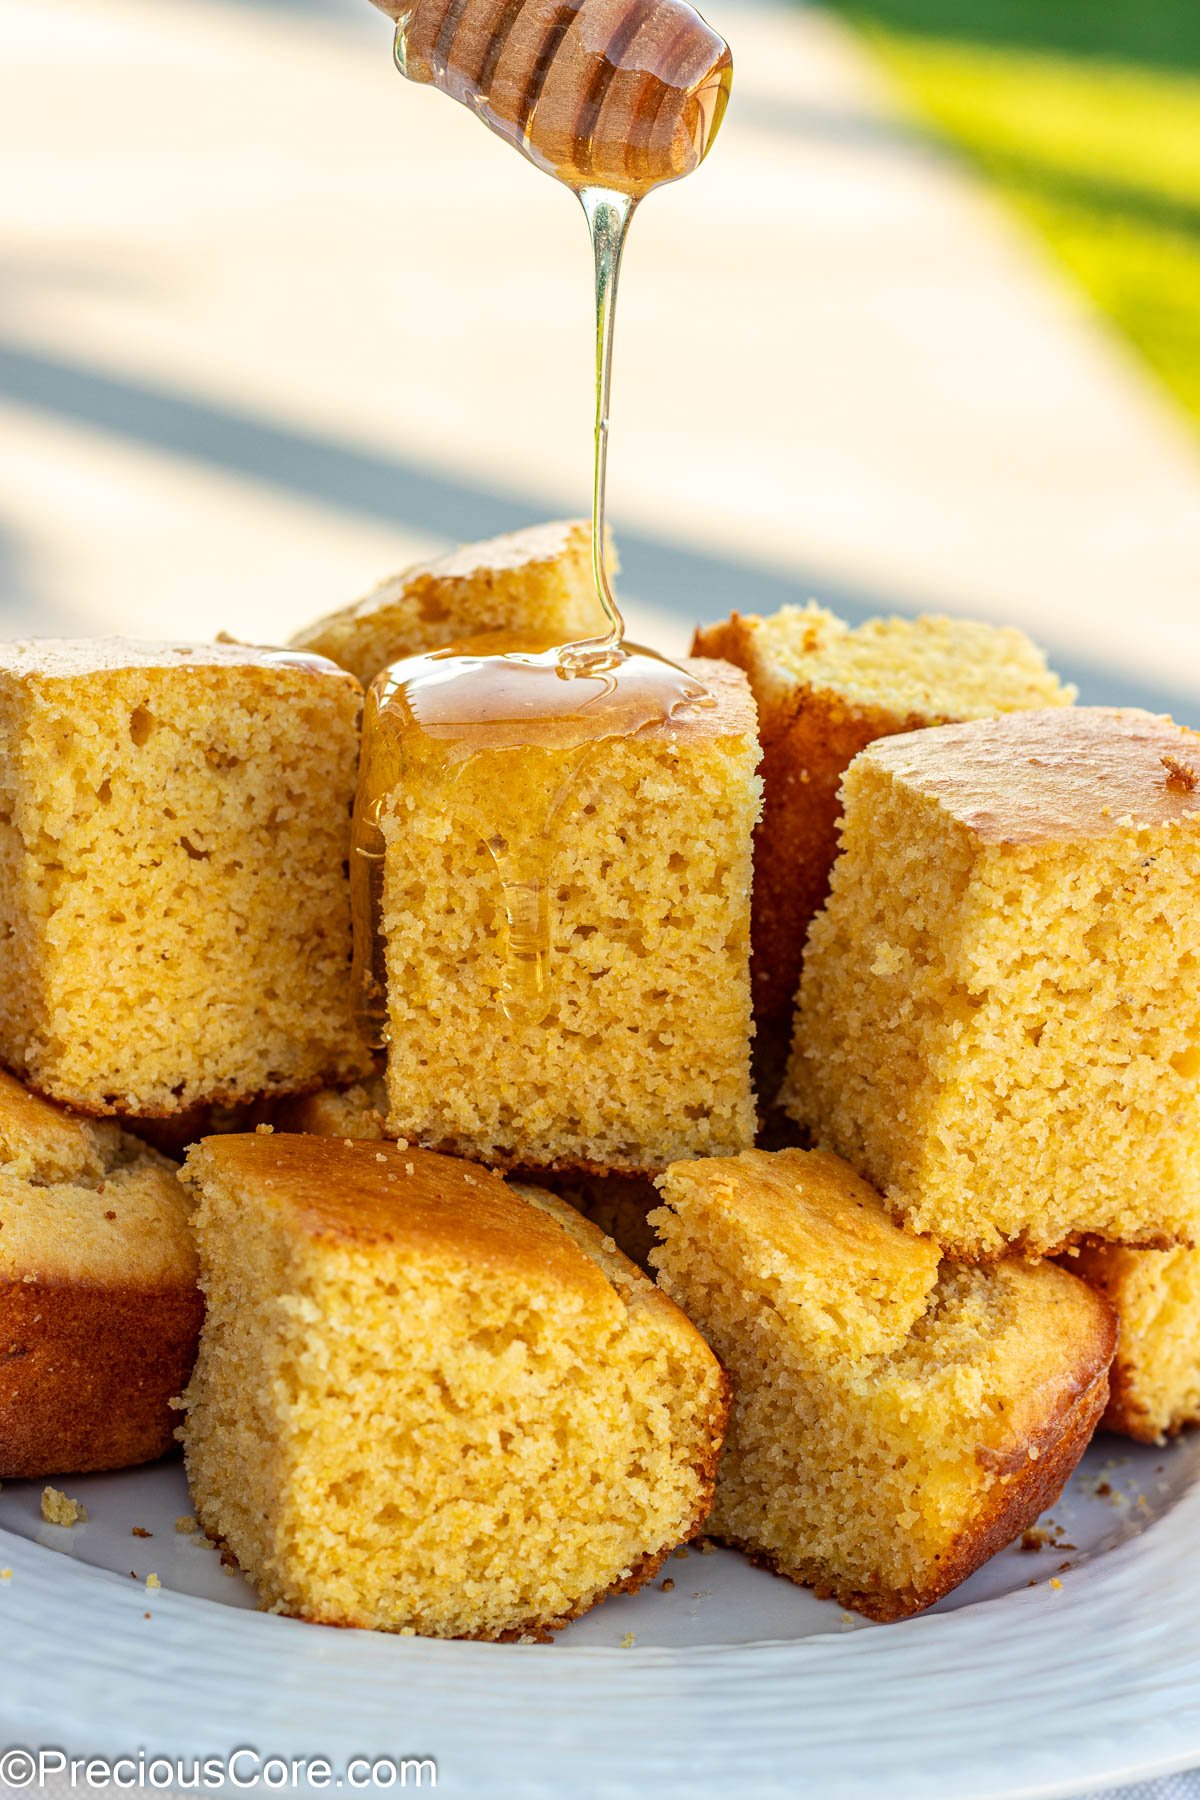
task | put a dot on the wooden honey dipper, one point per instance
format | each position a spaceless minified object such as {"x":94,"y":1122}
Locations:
{"x":615,"y":94}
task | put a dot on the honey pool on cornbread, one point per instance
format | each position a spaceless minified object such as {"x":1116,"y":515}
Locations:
{"x":564,"y":908}
{"x":997,"y":1021}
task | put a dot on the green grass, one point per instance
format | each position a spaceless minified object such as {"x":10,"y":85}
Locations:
{"x":1085,"y":114}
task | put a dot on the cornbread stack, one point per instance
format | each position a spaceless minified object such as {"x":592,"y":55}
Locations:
{"x":432,"y":1399}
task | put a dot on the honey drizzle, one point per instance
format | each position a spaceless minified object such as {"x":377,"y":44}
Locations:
{"x":518,"y":725}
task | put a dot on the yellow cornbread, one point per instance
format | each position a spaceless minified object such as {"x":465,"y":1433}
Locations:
{"x":99,"y":1309}
{"x":896,"y":1419}
{"x":643,"y":1054}
{"x":426,"y":1402}
{"x":1155,"y":1376}
{"x":825,"y":691}
{"x":536,"y":583}
{"x":354,"y":1112}
{"x":174,"y":904}
{"x":997,"y":1021}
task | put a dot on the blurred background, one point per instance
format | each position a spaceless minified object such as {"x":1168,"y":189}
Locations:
{"x":923,"y":333}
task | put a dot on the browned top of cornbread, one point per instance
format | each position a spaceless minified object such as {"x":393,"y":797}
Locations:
{"x":734,"y":715}
{"x":811,"y":1205}
{"x":377,"y":1196}
{"x":67,"y":659}
{"x":512,"y":550}
{"x":816,"y":1234}
{"x":40,"y":1142}
{"x":82,"y":1202}
{"x":1055,"y":776}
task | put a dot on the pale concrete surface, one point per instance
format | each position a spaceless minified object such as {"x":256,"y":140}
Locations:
{"x":273,"y":321}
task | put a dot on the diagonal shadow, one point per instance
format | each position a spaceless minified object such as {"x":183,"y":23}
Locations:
{"x":400,"y":492}
{"x":391,"y":489}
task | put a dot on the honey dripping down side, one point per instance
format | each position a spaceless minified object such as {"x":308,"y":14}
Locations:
{"x":619,"y":94}
{"x":502,"y":739}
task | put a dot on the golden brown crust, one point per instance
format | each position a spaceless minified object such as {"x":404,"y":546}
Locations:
{"x":376,"y":1195}
{"x":808,"y":741}
{"x":1061,"y":775}
{"x":42,"y":660}
{"x":87,"y":1374}
{"x":1029,"y":1249}
{"x":1011,"y":1508}
{"x":171,"y":1129}
{"x":518,"y":1164}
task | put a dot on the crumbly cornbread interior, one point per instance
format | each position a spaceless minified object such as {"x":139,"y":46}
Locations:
{"x":824,"y":691}
{"x":1156,"y":1373}
{"x":644,"y":1053}
{"x":932,"y":668}
{"x":357,"y":1111}
{"x":996,"y":1020}
{"x":83,"y":1202}
{"x":427,"y":1402}
{"x":886,"y":1404}
{"x":174,"y":908}
{"x":536,"y":583}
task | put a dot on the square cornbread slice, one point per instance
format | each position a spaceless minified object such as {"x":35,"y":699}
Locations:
{"x":825,"y":691}
{"x":896,"y":1419}
{"x":997,"y":1021}
{"x":642,"y":1052}
{"x":99,"y":1308}
{"x":426,"y":1402}
{"x":536,"y":583}
{"x":1155,"y":1377}
{"x":174,"y":899}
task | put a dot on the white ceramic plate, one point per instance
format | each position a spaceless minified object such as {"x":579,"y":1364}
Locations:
{"x":735,"y":1682}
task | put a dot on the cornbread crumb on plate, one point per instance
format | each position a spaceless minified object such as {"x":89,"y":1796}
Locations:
{"x":174,"y":900}
{"x":1155,"y":1376}
{"x":896,"y":1419}
{"x":59,"y":1509}
{"x":644,"y":1053}
{"x":825,"y":691}
{"x":523,"y":1423}
{"x":997,"y":1023}
{"x":99,"y":1309}
{"x":536,"y":583}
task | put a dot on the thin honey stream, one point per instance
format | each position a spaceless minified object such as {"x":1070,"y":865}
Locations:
{"x":613,"y":98}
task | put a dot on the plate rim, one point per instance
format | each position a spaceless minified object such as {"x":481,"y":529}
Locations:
{"x":1034,"y":1694}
